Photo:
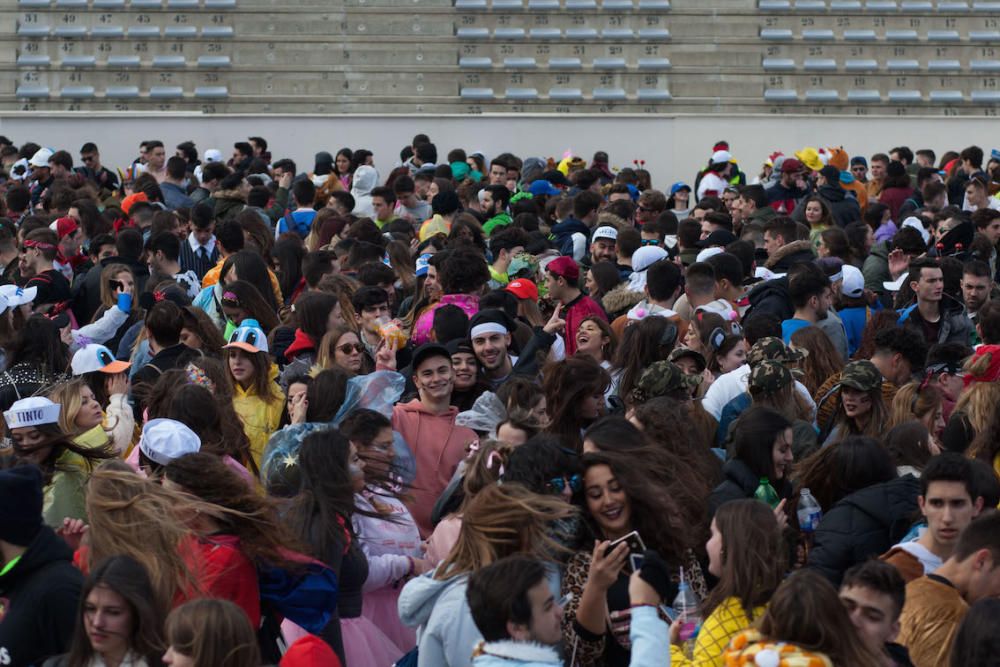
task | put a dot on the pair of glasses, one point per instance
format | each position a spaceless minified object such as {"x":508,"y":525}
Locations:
{"x":558,"y":484}
{"x":651,"y":242}
{"x":347,"y":348}
{"x":87,"y":158}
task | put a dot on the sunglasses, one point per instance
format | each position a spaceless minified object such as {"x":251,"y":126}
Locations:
{"x":651,"y":242}
{"x":558,"y":484}
{"x":347,"y":348}
{"x":87,"y":158}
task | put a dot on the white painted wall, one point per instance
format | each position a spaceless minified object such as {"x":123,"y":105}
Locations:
{"x":673,"y":147}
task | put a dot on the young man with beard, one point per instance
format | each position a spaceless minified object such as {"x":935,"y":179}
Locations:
{"x":809,"y":290}
{"x":493,"y":200}
{"x":562,"y":277}
{"x":490,"y":333}
{"x":427,"y":424}
{"x":38,"y":254}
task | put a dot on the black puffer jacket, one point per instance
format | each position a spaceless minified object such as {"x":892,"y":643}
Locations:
{"x":770,"y":298}
{"x":864,"y":524}
{"x":739,"y":482}
{"x":40,"y":593}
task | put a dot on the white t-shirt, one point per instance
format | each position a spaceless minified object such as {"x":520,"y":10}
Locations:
{"x":730,"y":385}
{"x":921,"y":553}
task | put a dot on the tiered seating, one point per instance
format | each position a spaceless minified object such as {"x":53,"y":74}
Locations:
{"x":447,"y":56}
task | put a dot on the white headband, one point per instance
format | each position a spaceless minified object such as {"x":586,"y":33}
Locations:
{"x":488,"y":328}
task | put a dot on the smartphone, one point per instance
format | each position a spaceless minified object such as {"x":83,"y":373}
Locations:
{"x":636,"y":547}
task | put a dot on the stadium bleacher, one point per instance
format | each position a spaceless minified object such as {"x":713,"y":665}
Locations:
{"x":850,"y":57}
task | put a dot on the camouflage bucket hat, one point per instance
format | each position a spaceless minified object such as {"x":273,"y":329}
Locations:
{"x":770,"y":376}
{"x":861,"y":375}
{"x":682,"y":352}
{"x":662,"y":378}
{"x":774,"y":349}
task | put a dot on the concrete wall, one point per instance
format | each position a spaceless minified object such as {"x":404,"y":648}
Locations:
{"x":673,"y":147}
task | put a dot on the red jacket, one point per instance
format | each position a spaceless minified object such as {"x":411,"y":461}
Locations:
{"x":575,"y":312}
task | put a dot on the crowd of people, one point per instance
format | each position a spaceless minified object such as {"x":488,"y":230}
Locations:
{"x":499,"y":412}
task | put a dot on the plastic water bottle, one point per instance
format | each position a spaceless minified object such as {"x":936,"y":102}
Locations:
{"x":809,"y":512}
{"x":766,"y":493}
{"x":687,"y":606}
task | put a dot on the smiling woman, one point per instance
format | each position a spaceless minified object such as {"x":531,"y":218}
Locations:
{"x":619,"y":498}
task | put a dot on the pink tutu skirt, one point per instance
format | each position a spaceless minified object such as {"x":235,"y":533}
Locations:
{"x":364,"y":644}
{"x":382,"y":609}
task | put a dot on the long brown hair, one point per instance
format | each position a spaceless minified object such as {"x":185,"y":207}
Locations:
{"x":666,"y":424}
{"x":262,"y":385}
{"x":753,"y":555}
{"x":655,"y":513}
{"x":251,"y":517}
{"x":128,"y":579}
{"x":134,"y":516}
{"x":502,"y":520}
{"x":616,"y":434}
{"x":806,"y":611}
{"x":213,"y":632}
{"x":565,"y":384}
{"x":876,"y":420}
{"x":822,"y":360}
{"x":326,"y":349}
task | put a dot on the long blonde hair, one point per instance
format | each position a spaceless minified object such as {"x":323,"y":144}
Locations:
{"x":67,"y":394}
{"x":109,"y":273}
{"x":326,"y":350}
{"x":913,"y":401}
{"x":502,"y":520}
{"x":980,"y":399}
{"x":134,"y":516}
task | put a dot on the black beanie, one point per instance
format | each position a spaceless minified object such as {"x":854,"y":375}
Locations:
{"x":21,"y":509}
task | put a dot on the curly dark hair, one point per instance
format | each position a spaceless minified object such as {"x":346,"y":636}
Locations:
{"x":463,"y":272}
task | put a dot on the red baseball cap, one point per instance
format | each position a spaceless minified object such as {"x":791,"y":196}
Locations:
{"x":63,"y":227}
{"x":565,"y":267}
{"x":523,"y":288}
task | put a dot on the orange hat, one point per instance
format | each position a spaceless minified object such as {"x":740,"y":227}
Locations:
{"x":132,"y":200}
{"x":838,"y":158}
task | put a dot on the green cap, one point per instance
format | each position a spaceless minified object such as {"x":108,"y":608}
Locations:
{"x":660,"y":379}
{"x":861,"y":375}
{"x":770,"y":376}
{"x":774,"y":349}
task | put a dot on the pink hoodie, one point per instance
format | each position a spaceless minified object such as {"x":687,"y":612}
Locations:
{"x":422,"y":327}
{"x":437,"y":445}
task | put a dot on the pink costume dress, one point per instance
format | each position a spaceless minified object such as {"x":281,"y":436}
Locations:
{"x":389,"y":543}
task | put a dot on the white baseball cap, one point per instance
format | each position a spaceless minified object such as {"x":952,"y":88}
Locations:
{"x":164,"y":440}
{"x":605,"y":232}
{"x":854,"y":281}
{"x":96,"y":357}
{"x":643,"y":257}
{"x":18,"y":296}
{"x":213,"y":155}
{"x":708,"y":252}
{"x":32,"y":411}
{"x":41,"y":157}
{"x":721,"y":156}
